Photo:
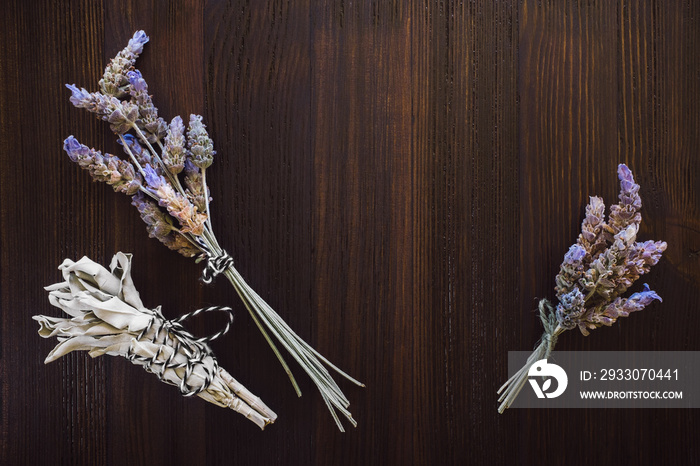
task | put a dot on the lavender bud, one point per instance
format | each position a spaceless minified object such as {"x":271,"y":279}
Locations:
{"x":570,"y":309}
{"x":137,"y":42}
{"x":159,"y":226}
{"x":81,"y":98}
{"x":570,"y":270}
{"x":154,"y":126}
{"x":122,"y":116}
{"x":157,"y":222}
{"x":195,"y":186}
{"x":574,"y":255}
{"x":138,"y":84}
{"x":177,"y":205}
{"x":594,"y":235}
{"x":153,"y":179}
{"x":114,"y":82}
{"x":175,"y":152}
{"x":626,"y":212}
{"x":636,"y":302}
{"x":74,"y":149}
{"x":106,"y":168}
{"x":648,"y":252}
{"x":200,"y":145}
{"x":639,"y":301}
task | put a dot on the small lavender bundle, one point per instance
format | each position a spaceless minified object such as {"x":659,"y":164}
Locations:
{"x":108,"y":317}
{"x":166,"y":174}
{"x":605,"y":261}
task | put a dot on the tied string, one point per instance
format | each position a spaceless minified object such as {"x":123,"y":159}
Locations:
{"x":509,"y":390}
{"x":216,"y":264}
{"x":171,"y":333}
{"x":552,"y":328}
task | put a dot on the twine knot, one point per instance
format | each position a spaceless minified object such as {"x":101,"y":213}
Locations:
{"x":215,"y":266}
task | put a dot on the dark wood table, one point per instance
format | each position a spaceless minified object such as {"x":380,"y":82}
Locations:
{"x":400,"y":180}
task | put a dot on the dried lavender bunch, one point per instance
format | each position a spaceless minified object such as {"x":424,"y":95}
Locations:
{"x":165,"y":172}
{"x":605,"y":261}
{"x":108,"y":317}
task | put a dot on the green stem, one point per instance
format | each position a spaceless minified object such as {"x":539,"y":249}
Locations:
{"x":206,"y":196}
{"x":265,"y":334}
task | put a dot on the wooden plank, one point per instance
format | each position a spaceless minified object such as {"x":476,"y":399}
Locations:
{"x":466,"y":139}
{"x":257,"y":67}
{"x":62,"y":403}
{"x":363,"y":227}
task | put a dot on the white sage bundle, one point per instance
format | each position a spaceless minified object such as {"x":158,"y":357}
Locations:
{"x":108,"y":317}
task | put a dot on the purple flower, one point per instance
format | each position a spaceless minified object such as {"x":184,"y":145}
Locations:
{"x":649,"y":252}
{"x":175,"y":153}
{"x":153,"y":180}
{"x":104,"y":167}
{"x":636,"y":302}
{"x":628,"y":188}
{"x":640,"y":300}
{"x":627,"y":211}
{"x":81,"y":98}
{"x":114,"y":82}
{"x":605,"y":262}
{"x":201,"y":146}
{"x":154,"y":126}
{"x":157,"y":222}
{"x":575,"y":254}
{"x":137,"y":82}
{"x":592,"y":223}
{"x":137,"y":42}
{"x":74,"y":149}
{"x":570,"y":309}
{"x":121,"y":115}
{"x":570,"y":270}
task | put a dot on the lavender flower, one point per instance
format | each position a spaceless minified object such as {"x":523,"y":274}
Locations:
{"x":570,"y":309}
{"x":593,"y":235}
{"x":154,"y":126}
{"x":195,"y":191}
{"x":160,"y":226}
{"x":178,"y":206}
{"x":200,"y":145}
{"x":611,"y":271}
{"x":571,"y":270}
{"x":623,"y":307}
{"x":107,"y":168}
{"x":114,"y":81}
{"x":175,"y":152}
{"x":81,"y":97}
{"x":596,"y":271}
{"x":120,"y":114}
{"x":627,"y":211}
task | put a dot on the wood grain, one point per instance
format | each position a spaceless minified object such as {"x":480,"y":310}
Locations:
{"x":399,"y":180}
